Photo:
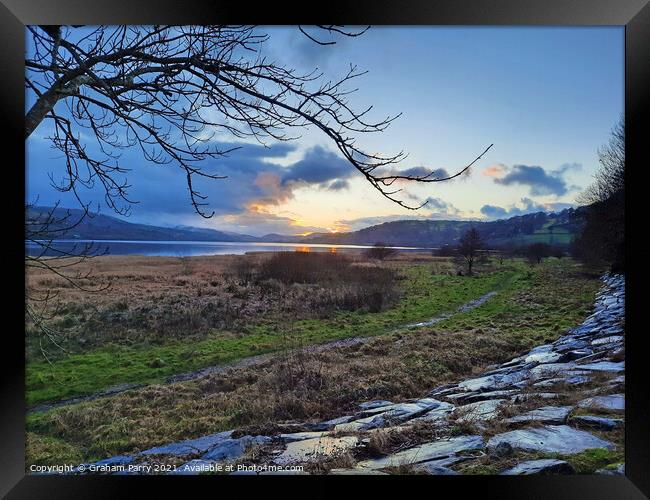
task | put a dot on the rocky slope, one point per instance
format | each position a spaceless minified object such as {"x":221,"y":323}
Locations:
{"x":546,"y":411}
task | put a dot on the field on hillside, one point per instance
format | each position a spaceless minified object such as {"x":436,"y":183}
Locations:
{"x":166,"y":316}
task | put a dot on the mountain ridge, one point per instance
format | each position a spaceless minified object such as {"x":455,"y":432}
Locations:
{"x":554,"y":228}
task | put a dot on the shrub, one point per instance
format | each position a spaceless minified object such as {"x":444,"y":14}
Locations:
{"x":380,"y":251}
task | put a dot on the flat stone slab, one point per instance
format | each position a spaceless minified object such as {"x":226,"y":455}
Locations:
{"x":440,"y":449}
{"x":543,"y":357}
{"x":481,"y":410}
{"x":369,"y":405}
{"x":554,"y":415}
{"x":299,"y":436}
{"x":605,"y":366}
{"x":547,"y":466}
{"x":232,"y":449}
{"x":360,"y":425}
{"x":494,"y":382}
{"x":525,"y":396}
{"x":612,"y":339}
{"x":550,"y":439}
{"x":190,"y":446}
{"x":437,"y":414}
{"x":552,"y":369}
{"x":595,"y":422}
{"x":611,"y":402}
{"x":330,"y":424}
{"x":436,"y":470}
{"x":481,"y":396}
{"x":310,"y":449}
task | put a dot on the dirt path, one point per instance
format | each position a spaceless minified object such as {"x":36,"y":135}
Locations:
{"x":256,"y":360}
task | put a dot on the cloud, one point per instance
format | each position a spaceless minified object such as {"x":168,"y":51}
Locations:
{"x":527,"y":206}
{"x":494,"y":170}
{"x":437,"y":206}
{"x":539,"y":181}
{"x":258,"y":221}
{"x":254,"y":176}
{"x":434,"y":173}
{"x":338,"y":185}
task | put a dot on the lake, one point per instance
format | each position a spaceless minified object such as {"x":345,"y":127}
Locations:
{"x":192,"y":248}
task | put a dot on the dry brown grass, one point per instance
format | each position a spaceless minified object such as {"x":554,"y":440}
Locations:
{"x":157,"y":299}
{"x":254,"y":399}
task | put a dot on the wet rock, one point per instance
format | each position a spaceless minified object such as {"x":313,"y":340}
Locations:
{"x":577,"y":354}
{"x":616,"y":339}
{"x":482,"y":396}
{"x":494,"y":382}
{"x":401,"y":412}
{"x":362,"y":424}
{"x":329,"y":424}
{"x":313,"y":449}
{"x":553,"y":370}
{"x":544,"y":357}
{"x":436,"y":470}
{"x":605,"y":366}
{"x":501,"y":450}
{"x":232,"y":449}
{"x":481,"y":410}
{"x":550,"y":439}
{"x":436,"y":450}
{"x":299,"y":436}
{"x":438,"y":414}
{"x":595,"y":422}
{"x":520,"y":398}
{"x":552,"y":415}
{"x":611,"y":402}
{"x":370,"y":405}
{"x":548,"y":466}
{"x":190,"y":446}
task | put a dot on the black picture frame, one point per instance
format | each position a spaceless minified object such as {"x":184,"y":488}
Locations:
{"x":633,"y":14}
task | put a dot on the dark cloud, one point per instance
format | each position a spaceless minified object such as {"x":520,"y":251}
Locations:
{"x":527,"y":206}
{"x":254,"y":176}
{"x":438,"y":204}
{"x":317,"y":166}
{"x":420,"y":171}
{"x":338,"y":185}
{"x":539,"y":181}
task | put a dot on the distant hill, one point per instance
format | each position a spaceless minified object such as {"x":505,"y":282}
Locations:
{"x":554,"y":228}
{"x":105,"y":227}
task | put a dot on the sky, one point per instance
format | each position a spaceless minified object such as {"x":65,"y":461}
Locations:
{"x":547,"y":98}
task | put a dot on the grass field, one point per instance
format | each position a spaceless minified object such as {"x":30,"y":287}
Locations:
{"x":424,"y":294}
{"x":533,"y":305}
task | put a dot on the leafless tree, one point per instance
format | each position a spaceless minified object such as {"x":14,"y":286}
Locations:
{"x":609,"y":179}
{"x":470,"y":247}
{"x":42,"y":228}
{"x":602,"y":237}
{"x":172,"y":91}
{"x":169,"y":90}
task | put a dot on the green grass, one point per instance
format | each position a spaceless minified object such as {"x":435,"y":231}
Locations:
{"x":534,"y":305}
{"x":559,"y":304}
{"x":425,"y":295}
{"x":589,"y":461}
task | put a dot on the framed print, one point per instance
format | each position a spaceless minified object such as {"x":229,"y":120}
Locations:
{"x":397,"y":247}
